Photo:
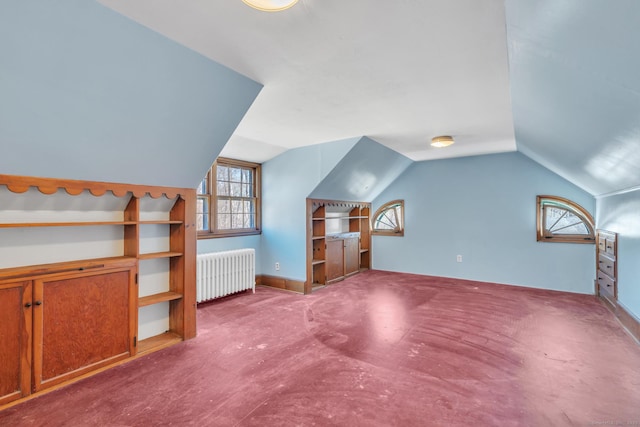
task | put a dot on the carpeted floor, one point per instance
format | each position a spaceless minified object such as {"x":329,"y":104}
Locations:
{"x":379,"y":349}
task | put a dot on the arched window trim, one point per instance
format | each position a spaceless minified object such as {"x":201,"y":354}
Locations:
{"x":543,"y":233}
{"x":399,"y":216}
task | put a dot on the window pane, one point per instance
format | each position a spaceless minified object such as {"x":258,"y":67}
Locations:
{"x":236,"y":206}
{"x":248,"y":206}
{"x":237,"y":220}
{"x":246,"y":190}
{"x":224,"y":222}
{"x":235,"y":189}
{"x":236,"y":175}
{"x":246,"y":176}
{"x":561,"y":221}
{"x":224,"y":206}
{"x":202,"y":213}
{"x":222,"y":188}
{"x":222,"y":173}
{"x":203,"y":188}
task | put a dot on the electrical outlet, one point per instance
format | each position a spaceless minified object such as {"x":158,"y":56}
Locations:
{"x":277,"y":266}
{"x":459,"y":258}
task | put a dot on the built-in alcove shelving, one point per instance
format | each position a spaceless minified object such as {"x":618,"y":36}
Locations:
{"x":338,"y":241}
{"x":124,"y":253}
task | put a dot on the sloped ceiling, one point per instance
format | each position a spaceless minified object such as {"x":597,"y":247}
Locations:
{"x":88,"y":94}
{"x":361,"y":175}
{"x":399,"y":72}
{"x":574,"y":70}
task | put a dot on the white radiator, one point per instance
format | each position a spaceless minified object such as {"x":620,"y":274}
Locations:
{"x":225,"y":273}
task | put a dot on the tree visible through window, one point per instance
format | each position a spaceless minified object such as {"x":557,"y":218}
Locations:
{"x":229,"y":199}
{"x":389,"y":219}
{"x":561,"y":220}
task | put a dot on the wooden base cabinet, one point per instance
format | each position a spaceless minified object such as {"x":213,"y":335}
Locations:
{"x":338,"y":241}
{"x":60,"y":320}
{"x":343,"y":256}
{"x":15,"y":340}
{"x":67,"y":324}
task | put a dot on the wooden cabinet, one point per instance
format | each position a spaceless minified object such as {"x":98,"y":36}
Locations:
{"x":63,"y":319}
{"x":68,"y":318}
{"x":343,"y":256}
{"x":15,"y":340}
{"x":607,"y":265}
{"x":338,"y":241}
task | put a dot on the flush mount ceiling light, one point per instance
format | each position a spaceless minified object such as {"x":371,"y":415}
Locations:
{"x":442,"y":141}
{"x":270,"y":5}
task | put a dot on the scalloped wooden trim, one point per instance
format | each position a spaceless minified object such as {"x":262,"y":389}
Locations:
{"x":21,"y":184}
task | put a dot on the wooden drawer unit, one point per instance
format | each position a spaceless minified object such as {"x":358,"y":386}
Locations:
{"x":607,"y":268}
{"x":606,"y":285}
{"x":606,"y":264}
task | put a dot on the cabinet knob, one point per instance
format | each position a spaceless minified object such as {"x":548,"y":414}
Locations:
{"x":38,"y":303}
{"x":27,"y":305}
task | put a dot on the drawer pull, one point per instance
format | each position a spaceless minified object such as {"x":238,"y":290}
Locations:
{"x":608,"y":266}
{"x":608,"y":285}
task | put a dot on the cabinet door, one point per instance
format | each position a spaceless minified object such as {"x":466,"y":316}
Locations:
{"x":351,"y":256}
{"x":335,"y":260}
{"x":15,"y":340}
{"x":81,"y":322}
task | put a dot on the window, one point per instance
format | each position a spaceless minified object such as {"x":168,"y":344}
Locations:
{"x":229,"y":200}
{"x":389,"y":219}
{"x":561,"y":220}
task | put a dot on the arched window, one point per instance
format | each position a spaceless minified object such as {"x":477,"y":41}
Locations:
{"x":561,"y":220}
{"x":389,"y":219}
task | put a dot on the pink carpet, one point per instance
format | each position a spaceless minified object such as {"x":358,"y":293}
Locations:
{"x":379,"y":349}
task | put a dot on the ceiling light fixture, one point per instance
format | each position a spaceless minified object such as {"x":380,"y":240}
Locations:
{"x":442,"y":141}
{"x":270,"y":5}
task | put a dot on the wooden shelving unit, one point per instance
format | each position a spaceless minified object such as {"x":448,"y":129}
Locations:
{"x":16,"y":283}
{"x":338,"y":241}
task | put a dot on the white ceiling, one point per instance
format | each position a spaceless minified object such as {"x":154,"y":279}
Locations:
{"x":398,"y":71}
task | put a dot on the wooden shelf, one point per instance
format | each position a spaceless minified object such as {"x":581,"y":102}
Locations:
{"x":155,"y":255}
{"x":65,"y":267}
{"x":175,"y":241}
{"x":157,"y":342}
{"x":338,"y":240}
{"x":159,"y":222}
{"x":156,"y":298}
{"x":64,"y":224}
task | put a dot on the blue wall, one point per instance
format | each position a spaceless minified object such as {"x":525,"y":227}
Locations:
{"x":483,"y":208}
{"x":621,"y":214}
{"x":230,"y":243}
{"x":287,"y":181}
{"x":86,"y":93}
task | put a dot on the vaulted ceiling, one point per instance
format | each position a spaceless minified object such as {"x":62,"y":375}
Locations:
{"x":399,"y":72}
{"x":555,"y":79}
{"x":575,"y":88}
